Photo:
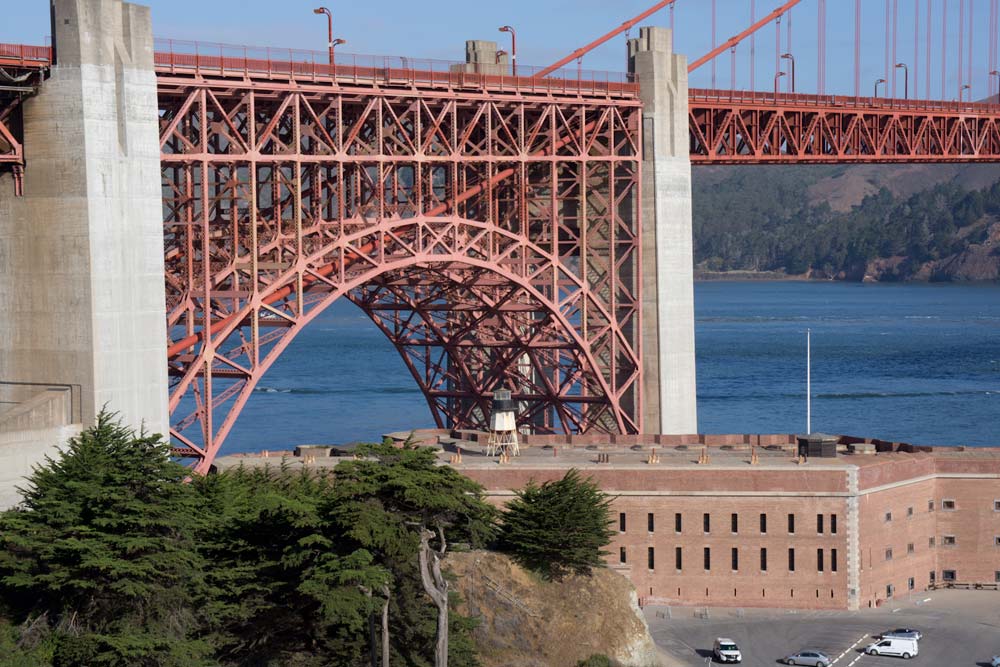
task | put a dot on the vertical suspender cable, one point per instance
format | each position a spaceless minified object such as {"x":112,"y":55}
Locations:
{"x":732,"y":68}
{"x":944,"y":47}
{"x":895,"y":51}
{"x":968,"y":65}
{"x":753,"y":43}
{"x":888,"y":38}
{"x":714,"y":42}
{"x":788,"y":48}
{"x":927,"y":55}
{"x":961,"y":44}
{"x":916,"y":49}
{"x":821,"y":47}
{"x":857,"y":48}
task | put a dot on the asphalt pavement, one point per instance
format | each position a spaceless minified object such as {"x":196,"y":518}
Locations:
{"x":960,"y":628}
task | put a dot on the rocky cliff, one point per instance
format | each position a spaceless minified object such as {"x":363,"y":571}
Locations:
{"x":527,"y":622}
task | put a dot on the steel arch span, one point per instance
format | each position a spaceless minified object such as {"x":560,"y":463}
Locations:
{"x":493,"y":238}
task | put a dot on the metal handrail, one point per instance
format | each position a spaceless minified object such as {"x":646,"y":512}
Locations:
{"x":63,"y":386}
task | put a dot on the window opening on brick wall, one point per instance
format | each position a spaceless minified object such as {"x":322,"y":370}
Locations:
{"x":791,"y":560}
{"x":706,"y":522}
{"x":736,"y":559}
{"x":791,"y":523}
{"x":651,"y":558}
{"x":708,"y":558}
{"x":621,"y":521}
{"x":677,"y":522}
{"x":948,"y":505}
{"x":763,"y":523}
{"x":819,"y":524}
{"x":622,"y":558}
{"x":763,"y":559}
{"x":650,"y":522}
{"x":819,"y":560}
{"x":734,"y":522}
{"x":833,"y":524}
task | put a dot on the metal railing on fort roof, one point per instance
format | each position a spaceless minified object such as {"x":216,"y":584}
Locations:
{"x":227,"y":60}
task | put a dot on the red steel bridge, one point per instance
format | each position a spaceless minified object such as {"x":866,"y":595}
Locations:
{"x":487,"y":223}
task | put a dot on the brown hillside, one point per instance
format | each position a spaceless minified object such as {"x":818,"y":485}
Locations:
{"x":526,"y":622}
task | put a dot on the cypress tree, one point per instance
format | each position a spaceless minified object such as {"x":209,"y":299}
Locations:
{"x":102,"y":546}
{"x":559,"y":527}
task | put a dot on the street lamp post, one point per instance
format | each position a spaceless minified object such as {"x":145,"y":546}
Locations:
{"x":500,"y":54}
{"x":877,"y":82}
{"x":962,"y":89}
{"x":329,"y":28}
{"x":335,"y":43}
{"x":906,"y":79}
{"x":789,"y":57}
{"x":776,"y":77}
{"x":513,"y":47}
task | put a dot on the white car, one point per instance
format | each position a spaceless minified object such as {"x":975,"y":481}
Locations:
{"x":726,"y":650}
{"x":897,"y":646}
{"x":995,"y":662}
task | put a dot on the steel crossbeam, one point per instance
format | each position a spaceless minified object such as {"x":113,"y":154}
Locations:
{"x":729,"y":127}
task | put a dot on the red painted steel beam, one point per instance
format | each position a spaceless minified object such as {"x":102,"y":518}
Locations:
{"x":735,"y":40}
{"x":729,"y":127}
{"x":328,"y":269}
{"x":583,"y":50}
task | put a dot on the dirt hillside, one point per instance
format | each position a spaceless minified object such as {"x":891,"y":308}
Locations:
{"x":527,"y":622}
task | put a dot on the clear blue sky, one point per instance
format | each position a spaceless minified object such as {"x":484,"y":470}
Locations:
{"x":549,"y":29}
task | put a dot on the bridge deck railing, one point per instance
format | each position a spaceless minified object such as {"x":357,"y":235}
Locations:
{"x":25,"y":55}
{"x":792,"y":101}
{"x":225,"y":60}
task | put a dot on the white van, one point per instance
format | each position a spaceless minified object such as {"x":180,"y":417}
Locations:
{"x":898,"y":646}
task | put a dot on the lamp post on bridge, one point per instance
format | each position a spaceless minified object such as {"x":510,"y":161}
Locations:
{"x":789,"y":57}
{"x":963,"y":89}
{"x":500,"y":54}
{"x":776,"y":77}
{"x":333,"y":44}
{"x":329,"y":28}
{"x":906,"y":79}
{"x":877,"y":82}
{"x":513,"y":47}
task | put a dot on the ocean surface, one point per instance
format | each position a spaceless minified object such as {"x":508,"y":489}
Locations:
{"x":914,"y":363}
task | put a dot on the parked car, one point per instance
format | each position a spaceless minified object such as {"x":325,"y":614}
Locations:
{"x":726,"y":650}
{"x":995,"y":662}
{"x":899,"y":646}
{"x":809,"y":658}
{"x":905,"y":633}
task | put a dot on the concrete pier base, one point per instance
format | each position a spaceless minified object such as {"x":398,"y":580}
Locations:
{"x":81,"y":254}
{"x":669,"y":388}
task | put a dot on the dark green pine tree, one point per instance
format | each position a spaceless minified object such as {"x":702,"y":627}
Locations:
{"x":102,"y":546}
{"x":559,"y":527}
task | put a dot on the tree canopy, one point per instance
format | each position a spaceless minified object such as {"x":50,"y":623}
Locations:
{"x":558,"y":527}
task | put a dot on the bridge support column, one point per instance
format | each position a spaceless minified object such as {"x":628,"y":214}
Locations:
{"x":81,"y":254}
{"x":667,"y":260}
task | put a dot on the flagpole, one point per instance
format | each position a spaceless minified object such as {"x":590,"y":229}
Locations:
{"x":808,"y":381}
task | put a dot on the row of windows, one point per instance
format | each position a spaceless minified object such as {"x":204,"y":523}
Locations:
{"x":734,"y":523}
{"x":946,"y":540}
{"x":734,"y":556}
{"x":947,"y":504}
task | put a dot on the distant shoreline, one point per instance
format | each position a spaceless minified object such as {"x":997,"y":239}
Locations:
{"x":778,"y":276}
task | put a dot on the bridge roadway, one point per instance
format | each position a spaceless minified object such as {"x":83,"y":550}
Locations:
{"x":726,"y":127}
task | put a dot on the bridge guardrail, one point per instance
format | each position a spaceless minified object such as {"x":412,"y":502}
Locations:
{"x":181,"y":57}
{"x":793,"y":100}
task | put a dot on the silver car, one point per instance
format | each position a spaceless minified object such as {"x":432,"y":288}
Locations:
{"x":808,"y":657}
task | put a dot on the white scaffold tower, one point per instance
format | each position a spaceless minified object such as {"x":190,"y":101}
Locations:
{"x":503,"y":426}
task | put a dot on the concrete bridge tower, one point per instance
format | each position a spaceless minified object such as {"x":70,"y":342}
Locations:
{"x":669,"y":391}
{"x":81,"y":253}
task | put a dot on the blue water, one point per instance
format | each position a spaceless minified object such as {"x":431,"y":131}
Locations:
{"x":917,"y":363}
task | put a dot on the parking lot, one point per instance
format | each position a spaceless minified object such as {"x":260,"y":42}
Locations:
{"x":960,"y":628}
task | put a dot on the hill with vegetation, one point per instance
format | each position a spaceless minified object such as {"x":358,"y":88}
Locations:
{"x":864,"y":222}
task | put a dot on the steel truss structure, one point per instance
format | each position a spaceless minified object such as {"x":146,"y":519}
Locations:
{"x":732,"y":127}
{"x":22,"y":69}
{"x":494,"y":239}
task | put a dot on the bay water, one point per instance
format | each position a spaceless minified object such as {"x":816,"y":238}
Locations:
{"x":908,"y":362}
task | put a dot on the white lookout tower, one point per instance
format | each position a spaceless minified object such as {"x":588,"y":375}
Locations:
{"x":503,"y":426}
